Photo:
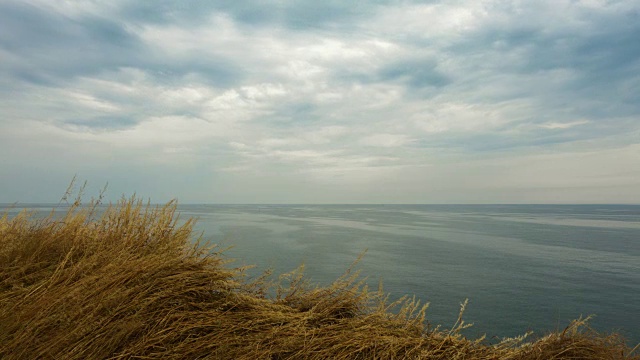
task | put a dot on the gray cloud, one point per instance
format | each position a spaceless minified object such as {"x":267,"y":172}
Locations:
{"x":594,"y":48}
{"x":101,"y":123}
{"x":296,"y":15}
{"x":47,"y":47}
{"x":416,"y":74}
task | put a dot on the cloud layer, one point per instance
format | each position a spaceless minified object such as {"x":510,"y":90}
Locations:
{"x":315,"y":102}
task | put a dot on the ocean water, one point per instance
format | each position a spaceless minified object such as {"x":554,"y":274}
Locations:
{"x":522,"y":267}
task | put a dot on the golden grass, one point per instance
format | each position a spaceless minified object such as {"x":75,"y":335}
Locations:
{"x":133,"y":283}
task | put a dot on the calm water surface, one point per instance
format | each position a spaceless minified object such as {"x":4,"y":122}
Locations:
{"x":522,"y":267}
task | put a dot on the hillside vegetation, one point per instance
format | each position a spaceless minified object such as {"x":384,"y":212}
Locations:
{"x":135,"y":282}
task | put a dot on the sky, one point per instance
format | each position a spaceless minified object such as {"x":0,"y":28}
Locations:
{"x":470,"y":101}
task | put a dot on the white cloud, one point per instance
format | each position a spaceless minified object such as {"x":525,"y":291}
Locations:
{"x":325,"y":134}
{"x":469,"y":117}
{"x":566,"y":125}
{"x":432,"y":20}
{"x":385,"y":140}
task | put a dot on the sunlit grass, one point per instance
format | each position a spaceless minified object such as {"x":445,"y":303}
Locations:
{"x":135,"y":282}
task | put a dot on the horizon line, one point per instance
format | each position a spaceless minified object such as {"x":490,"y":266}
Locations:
{"x":5,"y":204}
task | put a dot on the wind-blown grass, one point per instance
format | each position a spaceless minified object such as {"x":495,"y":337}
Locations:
{"x":133,"y":283}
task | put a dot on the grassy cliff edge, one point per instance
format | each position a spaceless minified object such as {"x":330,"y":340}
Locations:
{"x":132,"y":283}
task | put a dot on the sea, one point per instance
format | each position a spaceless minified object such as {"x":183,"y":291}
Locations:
{"x":522,"y":267}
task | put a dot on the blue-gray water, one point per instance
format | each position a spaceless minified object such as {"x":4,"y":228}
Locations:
{"x":522,"y":267}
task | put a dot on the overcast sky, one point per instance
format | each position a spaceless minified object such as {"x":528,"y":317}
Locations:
{"x":476,"y":101}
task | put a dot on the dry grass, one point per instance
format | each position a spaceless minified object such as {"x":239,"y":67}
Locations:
{"x":133,"y":284}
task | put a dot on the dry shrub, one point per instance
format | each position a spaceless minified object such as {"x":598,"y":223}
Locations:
{"x":133,"y":283}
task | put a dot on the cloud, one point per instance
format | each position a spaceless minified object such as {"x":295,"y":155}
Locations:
{"x":295,"y":15}
{"x":362,"y":98}
{"x":385,"y":140}
{"x":567,"y":125}
{"x":47,"y":47}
